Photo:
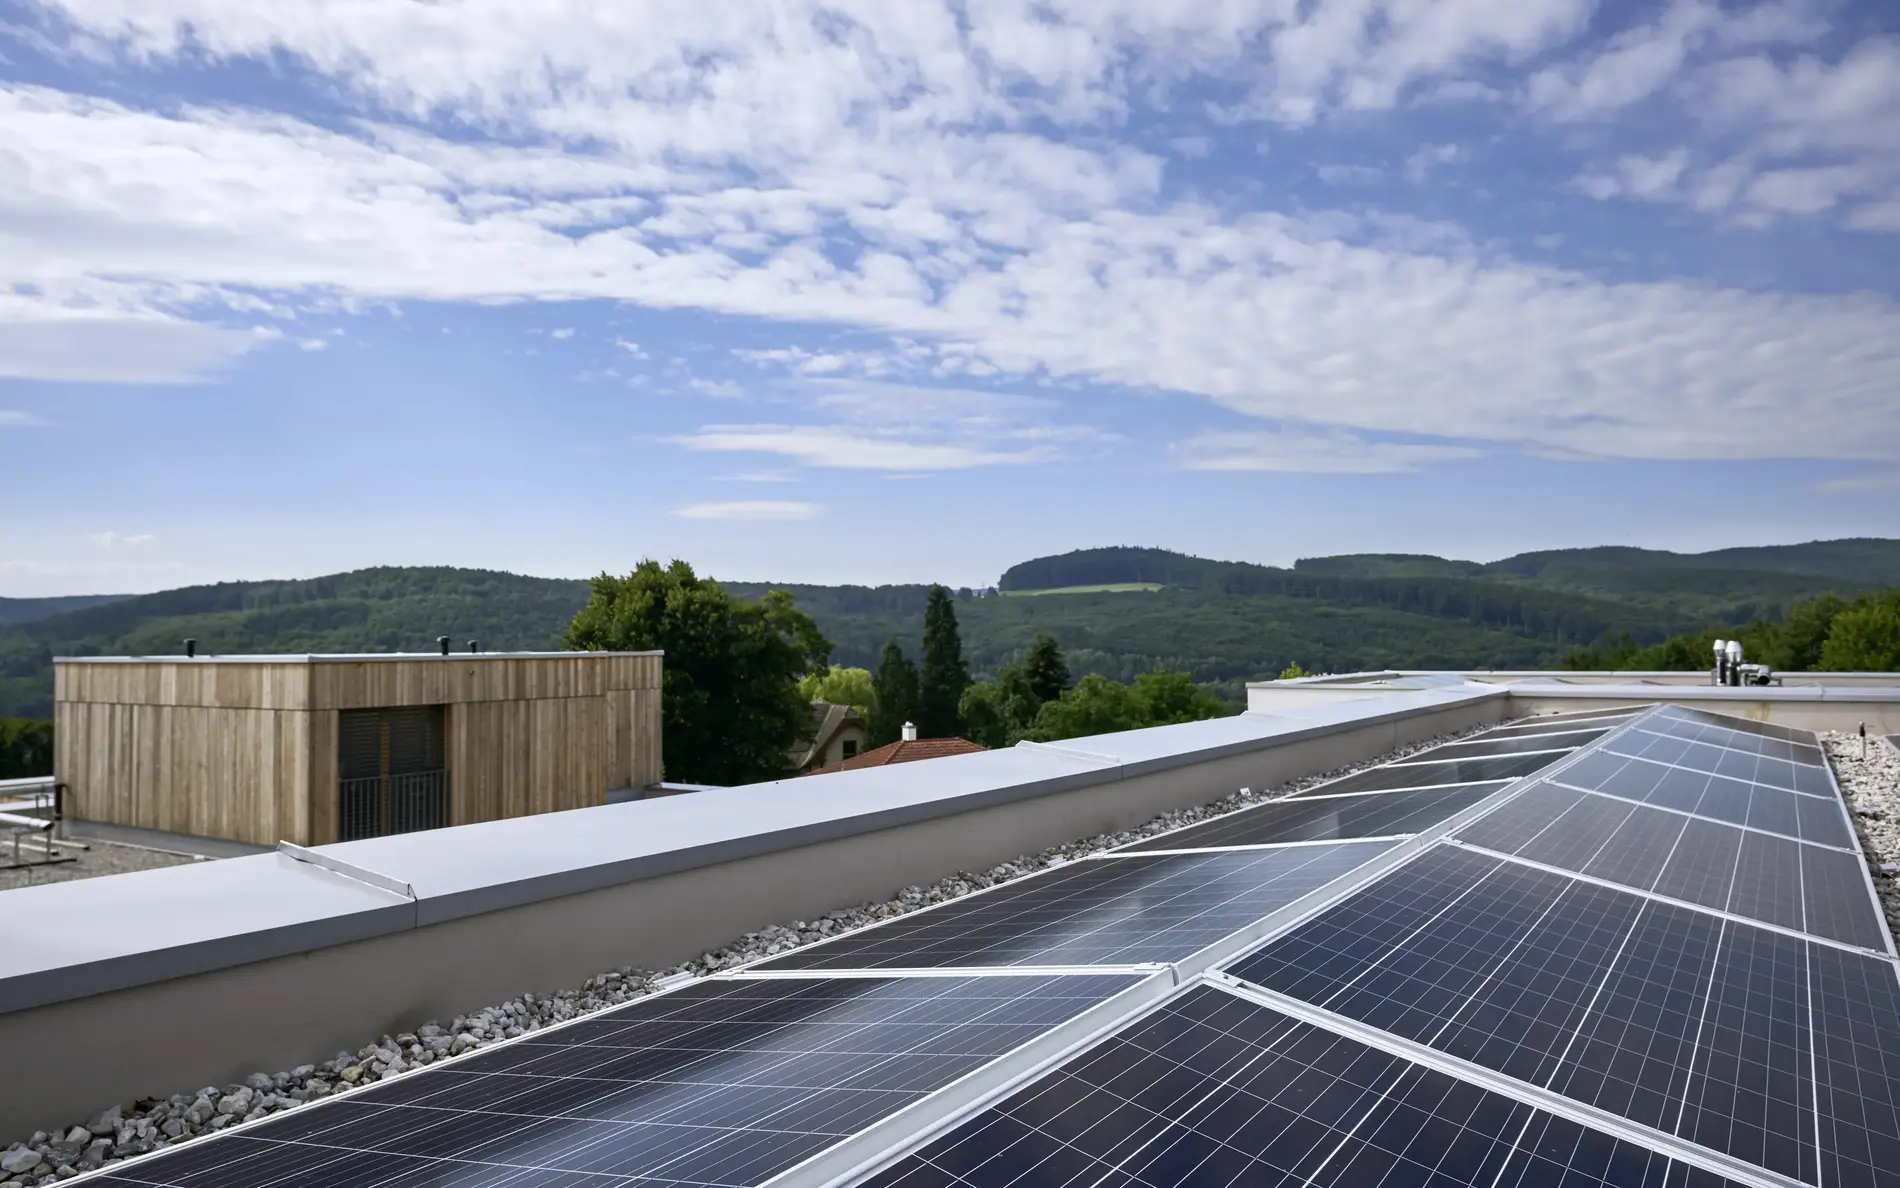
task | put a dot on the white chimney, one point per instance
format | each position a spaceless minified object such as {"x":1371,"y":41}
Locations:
{"x":910,"y":732}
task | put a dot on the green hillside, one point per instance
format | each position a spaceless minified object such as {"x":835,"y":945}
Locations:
{"x":1226,"y":622}
{"x":25,"y":610}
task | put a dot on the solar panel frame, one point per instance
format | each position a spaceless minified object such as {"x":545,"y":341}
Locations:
{"x":1404,"y":777}
{"x":1489,"y":975}
{"x":1617,"y":714}
{"x":1482,"y":747}
{"x":1214,"y":1087}
{"x":942,"y":935}
{"x":1385,"y":814}
{"x":986,"y":1029}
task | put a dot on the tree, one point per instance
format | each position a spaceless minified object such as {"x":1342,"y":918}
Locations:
{"x":945,"y":676}
{"x":1097,"y":705}
{"x":1293,"y":672}
{"x":730,"y":705}
{"x":1865,"y":637}
{"x":1047,"y":674}
{"x":840,"y":686}
{"x":1165,"y":697}
{"x":26,"y":748}
{"x":893,"y":697}
{"x":998,"y":713}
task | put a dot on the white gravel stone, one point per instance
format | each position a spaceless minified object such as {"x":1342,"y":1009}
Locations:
{"x":1872,"y":787}
{"x":151,"y":1124}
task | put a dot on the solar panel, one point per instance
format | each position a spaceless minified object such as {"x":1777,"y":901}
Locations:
{"x":1330,"y":818}
{"x":1427,"y":775}
{"x":1679,"y":1020}
{"x":723,"y":1082}
{"x":1593,"y":718}
{"x":1735,"y":724}
{"x":1745,"y":765}
{"x":1762,"y":876}
{"x":1485,"y":745}
{"x":1215,"y":1090}
{"x":1101,"y":911}
{"x":1718,"y":798}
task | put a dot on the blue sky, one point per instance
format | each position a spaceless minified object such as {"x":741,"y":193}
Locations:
{"x":893,"y":292}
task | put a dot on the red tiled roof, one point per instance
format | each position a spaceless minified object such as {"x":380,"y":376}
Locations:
{"x":906,"y":751}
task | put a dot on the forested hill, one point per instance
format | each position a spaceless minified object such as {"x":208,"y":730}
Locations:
{"x":1576,"y":591}
{"x":1226,"y":622}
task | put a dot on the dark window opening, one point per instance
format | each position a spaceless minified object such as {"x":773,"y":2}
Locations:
{"x":391,"y":773}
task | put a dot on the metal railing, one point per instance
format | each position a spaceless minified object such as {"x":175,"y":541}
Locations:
{"x":376,"y":806}
{"x":32,"y":811}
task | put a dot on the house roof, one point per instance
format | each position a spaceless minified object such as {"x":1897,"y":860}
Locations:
{"x":827,"y":718}
{"x":905,"y":751}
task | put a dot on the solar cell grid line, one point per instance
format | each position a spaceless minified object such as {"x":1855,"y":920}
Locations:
{"x":1433,"y":756}
{"x":1856,"y":1019}
{"x":1199,"y":1094}
{"x":1803,"y":754}
{"x":1115,"y":909}
{"x":1714,"y":760}
{"x":1768,"y":882}
{"x":1503,"y":978}
{"x":1760,"y":876}
{"x":1818,"y":824}
{"x":1544,"y":721}
{"x":1334,"y":818}
{"x":1425,"y":775}
{"x":1522,"y":818}
{"x":1479,"y":748}
{"x":719,"y":1082}
{"x":1699,"y":908}
{"x":1736,"y":723}
{"x":1694,"y":764}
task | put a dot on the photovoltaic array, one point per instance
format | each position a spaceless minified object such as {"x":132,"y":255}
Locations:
{"x":1629,"y":947}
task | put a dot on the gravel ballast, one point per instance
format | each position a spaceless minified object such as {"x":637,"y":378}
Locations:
{"x":1872,"y":788}
{"x":136,"y":1128}
{"x":102,"y":858}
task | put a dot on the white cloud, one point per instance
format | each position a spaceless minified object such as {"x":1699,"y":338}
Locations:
{"x":14,"y":418}
{"x":1793,"y":138}
{"x":1427,"y":158}
{"x":563,"y":334}
{"x":725,"y":389}
{"x":842,"y":448}
{"x":1349,"y":175}
{"x":751,"y":510}
{"x":313,"y":344}
{"x":1310,"y":450}
{"x":889,"y":170}
{"x":122,"y":540}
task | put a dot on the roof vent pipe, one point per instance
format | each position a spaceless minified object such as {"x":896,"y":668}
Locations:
{"x":910,"y":732}
{"x":474,"y":645}
{"x":1734,"y":662}
{"x":1721,"y":662}
{"x":191,"y":648}
{"x":442,"y":641}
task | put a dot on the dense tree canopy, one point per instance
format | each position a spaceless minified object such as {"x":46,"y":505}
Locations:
{"x":1045,"y":670}
{"x":840,"y":686}
{"x":945,"y":676}
{"x":893,"y":697}
{"x":1097,"y":705}
{"x":26,"y":748}
{"x":1825,"y":633}
{"x":731,"y":705}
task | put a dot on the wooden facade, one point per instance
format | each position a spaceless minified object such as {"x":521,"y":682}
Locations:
{"x":246,"y":748}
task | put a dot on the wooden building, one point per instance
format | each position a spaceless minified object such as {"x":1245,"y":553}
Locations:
{"x":315,"y":749}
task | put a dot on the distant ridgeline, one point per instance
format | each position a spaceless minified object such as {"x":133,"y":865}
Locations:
{"x":1225,"y":622}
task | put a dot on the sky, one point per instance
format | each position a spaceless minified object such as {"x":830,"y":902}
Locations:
{"x":881,"y":292}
